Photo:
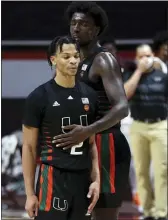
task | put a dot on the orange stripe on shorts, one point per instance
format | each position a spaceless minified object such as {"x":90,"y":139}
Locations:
{"x":50,"y":189}
{"x":112,"y":163}
{"x":41,"y":182}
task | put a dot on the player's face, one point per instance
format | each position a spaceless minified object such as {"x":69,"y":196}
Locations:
{"x":144,"y":52}
{"x":163,"y":52}
{"x":67,"y":60}
{"x":83,"y":28}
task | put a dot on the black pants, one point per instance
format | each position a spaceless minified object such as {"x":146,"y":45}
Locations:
{"x":62,"y":194}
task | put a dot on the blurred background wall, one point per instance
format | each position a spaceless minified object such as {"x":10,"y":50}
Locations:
{"x":28,"y":28}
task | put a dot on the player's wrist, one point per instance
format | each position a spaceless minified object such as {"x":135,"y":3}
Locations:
{"x":96,"y":180}
{"x":96,"y":183}
{"x":89,"y":131}
{"x":29,"y":194}
{"x":95,"y":177}
{"x":138,"y":71}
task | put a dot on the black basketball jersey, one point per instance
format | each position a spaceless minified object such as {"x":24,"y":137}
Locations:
{"x":83,"y":72}
{"x":49,"y":108}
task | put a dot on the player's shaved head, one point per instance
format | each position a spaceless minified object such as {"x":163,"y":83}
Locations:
{"x":143,"y":50}
{"x":143,"y":47}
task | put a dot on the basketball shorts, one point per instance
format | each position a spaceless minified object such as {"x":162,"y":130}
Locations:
{"x":62,"y":194}
{"x":114,"y":163}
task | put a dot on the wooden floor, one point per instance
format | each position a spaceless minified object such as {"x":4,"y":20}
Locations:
{"x":120,"y":218}
{"x":127,"y":212}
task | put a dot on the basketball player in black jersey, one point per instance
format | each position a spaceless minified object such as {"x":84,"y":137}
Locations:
{"x":68,"y":179}
{"x":100,"y":70}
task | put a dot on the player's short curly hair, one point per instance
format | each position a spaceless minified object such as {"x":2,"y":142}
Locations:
{"x":160,"y":39}
{"x":92,"y":9}
{"x":58,"y":42}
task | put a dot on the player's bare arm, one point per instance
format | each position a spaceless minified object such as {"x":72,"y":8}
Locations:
{"x":106,"y":67}
{"x":94,"y":188}
{"x":30,"y":138}
{"x":131,"y":84}
{"x":95,"y":174}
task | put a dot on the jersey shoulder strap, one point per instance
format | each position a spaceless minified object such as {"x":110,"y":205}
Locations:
{"x":86,"y":64}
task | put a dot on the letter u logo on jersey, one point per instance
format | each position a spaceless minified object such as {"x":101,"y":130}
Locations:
{"x":57,"y":203}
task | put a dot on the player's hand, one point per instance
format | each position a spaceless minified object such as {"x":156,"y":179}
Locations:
{"x":143,"y":64}
{"x":93,"y":194}
{"x":32,"y":205}
{"x":76,"y":135}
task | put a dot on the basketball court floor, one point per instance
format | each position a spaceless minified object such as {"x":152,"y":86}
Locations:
{"x":127,"y":212}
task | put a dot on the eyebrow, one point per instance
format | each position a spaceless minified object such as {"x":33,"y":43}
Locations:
{"x":65,"y":53}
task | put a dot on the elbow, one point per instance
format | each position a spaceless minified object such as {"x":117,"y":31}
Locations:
{"x":129,"y":95}
{"x":28,"y":149}
{"x":128,"y":92}
{"x":123,"y":110}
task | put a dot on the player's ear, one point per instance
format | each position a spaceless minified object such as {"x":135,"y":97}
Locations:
{"x":53,"y":60}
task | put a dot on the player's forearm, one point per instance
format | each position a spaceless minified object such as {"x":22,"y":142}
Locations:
{"x":29,"y":168}
{"x":95,"y":174}
{"x":111,"y":118}
{"x":131,"y":85}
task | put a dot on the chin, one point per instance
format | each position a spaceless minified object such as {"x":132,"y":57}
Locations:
{"x":80,"y":42}
{"x":72,"y":73}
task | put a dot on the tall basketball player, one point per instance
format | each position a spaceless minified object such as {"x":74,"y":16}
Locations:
{"x":100,"y":70}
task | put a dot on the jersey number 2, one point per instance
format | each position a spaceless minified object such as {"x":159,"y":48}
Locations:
{"x":67,"y":121}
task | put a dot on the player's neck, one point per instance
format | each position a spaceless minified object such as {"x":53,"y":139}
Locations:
{"x":89,"y":49}
{"x":65,"y":81}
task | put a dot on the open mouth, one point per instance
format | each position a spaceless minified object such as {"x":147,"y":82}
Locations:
{"x":76,"y":37}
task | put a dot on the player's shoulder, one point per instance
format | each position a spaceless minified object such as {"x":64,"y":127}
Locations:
{"x":159,"y":76}
{"x":87,"y":90}
{"x":160,"y":72}
{"x":39,"y":92}
{"x":104,"y":56}
{"x":104,"y":61}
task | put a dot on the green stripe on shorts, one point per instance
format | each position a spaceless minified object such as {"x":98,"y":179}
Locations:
{"x":105,"y":163}
{"x":44,"y":187}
